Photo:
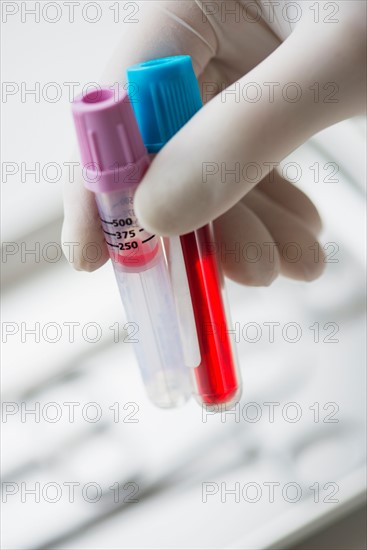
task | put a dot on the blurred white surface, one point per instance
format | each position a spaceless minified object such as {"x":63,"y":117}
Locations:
{"x":168,"y":455}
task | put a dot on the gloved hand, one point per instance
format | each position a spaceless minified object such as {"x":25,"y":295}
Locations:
{"x":286,"y":82}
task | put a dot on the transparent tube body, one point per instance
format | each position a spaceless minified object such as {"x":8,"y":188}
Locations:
{"x":143,"y":279}
{"x":183,"y":301}
{"x":217,"y":378}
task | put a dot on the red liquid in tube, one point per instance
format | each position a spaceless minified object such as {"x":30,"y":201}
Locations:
{"x":216,"y":376}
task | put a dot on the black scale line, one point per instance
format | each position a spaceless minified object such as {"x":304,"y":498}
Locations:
{"x":150,"y":238}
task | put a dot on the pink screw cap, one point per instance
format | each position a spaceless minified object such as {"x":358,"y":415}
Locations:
{"x":111,"y":147}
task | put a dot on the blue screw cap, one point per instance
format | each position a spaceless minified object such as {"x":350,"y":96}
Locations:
{"x":164,"y":94}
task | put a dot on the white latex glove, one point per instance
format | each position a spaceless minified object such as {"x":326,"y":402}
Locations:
{"x":326,"y":45}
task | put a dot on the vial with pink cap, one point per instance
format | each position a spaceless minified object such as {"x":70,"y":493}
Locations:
{"x":114,"y":161}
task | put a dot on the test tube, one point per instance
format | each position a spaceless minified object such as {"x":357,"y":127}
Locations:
{"x":114,"y":161}
{"x":167,"y":95}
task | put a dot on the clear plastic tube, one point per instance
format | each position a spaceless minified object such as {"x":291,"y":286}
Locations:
{"x":143,"y":279}
{"x":217,"y":378}
{"x":115,"y":161}
{"x":183,"y":302}
{"x":167,"y":96}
